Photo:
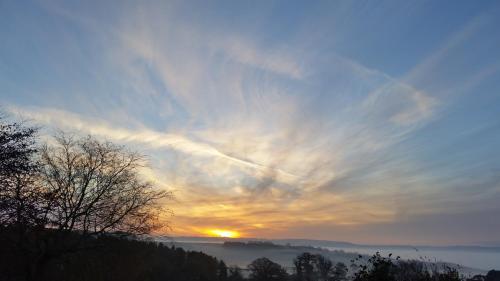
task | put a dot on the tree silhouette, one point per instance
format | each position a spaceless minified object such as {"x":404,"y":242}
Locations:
{"x":222,"y":271}
{"x":324,"y":267}
{"x":234,"y":274}
{"x":304,"y":266}
{"x":339,"y":272}
{"x":263,"y":269}
{"x":18,"y":198}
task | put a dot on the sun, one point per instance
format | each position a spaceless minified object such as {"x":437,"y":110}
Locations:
{"x":223,"y":233}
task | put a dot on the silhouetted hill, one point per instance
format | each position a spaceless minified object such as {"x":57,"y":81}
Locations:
{"x":110,"y":258}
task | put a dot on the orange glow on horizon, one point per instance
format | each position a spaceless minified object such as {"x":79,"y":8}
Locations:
{"x":223,"y":233}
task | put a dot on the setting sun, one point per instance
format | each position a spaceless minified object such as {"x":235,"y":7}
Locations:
{"x":223,"y":233}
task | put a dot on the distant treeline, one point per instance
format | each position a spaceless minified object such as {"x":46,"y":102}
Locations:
{"x":252,"y":244}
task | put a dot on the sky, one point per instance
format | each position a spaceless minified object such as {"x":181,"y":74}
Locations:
{"x":361,"y":121}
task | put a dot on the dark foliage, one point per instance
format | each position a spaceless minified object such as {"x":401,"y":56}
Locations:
{"x":304,"y":267}
{"x":113,"y":258}
{"x":263,"y":269}
{"x":339,"y":272}
{"x":234,"y":274}
{"x":493,"y":275}
{"x":379,"y":268}
{"x":309,"y":267}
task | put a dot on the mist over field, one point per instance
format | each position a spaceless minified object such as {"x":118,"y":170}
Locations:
{"x":472,"y":259}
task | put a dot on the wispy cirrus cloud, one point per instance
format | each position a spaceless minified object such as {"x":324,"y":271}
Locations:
{"x":265,"y":137}
{"x":70,"y":121}
{"x":252,"y":136}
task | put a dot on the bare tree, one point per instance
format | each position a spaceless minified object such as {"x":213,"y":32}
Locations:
{"x":95,"y":187}
{"x":54,"y":197}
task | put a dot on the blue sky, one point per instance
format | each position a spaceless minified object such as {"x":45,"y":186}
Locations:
{"x":367,"y":121}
